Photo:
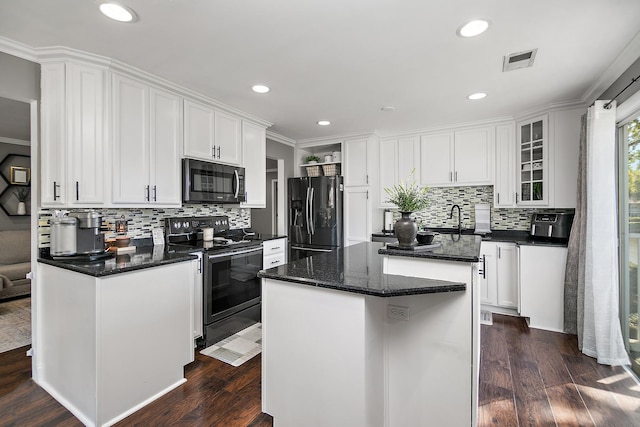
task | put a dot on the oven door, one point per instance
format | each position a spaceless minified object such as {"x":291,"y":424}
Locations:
{"x":212,"y":182}
{"x":231,"y":283}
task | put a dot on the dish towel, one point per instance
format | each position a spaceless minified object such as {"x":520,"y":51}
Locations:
{"x":483,"y":218}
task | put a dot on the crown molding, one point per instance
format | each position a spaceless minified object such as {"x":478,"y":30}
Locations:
{"x":15,"y":141}
{"x":620,"y":64}
{"x":280,"y":138}
{"x":335,"y":139}
{"x":558,"y":106}
{"x":20,"y":50}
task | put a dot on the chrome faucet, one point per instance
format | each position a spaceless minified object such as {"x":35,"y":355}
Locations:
{"x":459,"y":217}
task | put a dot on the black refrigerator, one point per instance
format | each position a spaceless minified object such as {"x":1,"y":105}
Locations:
{"x":315,"y":215}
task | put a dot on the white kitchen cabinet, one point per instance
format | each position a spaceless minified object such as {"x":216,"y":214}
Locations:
{"x":357,"y":208}
{"x":147,"y":130}
{"x":464,"y":157}
{"x":541,"y":276}
{"x":499,"y":282}
{"x":73,"y":134}
{"x":211,"y":135}
{"x":504,"y":193}
{"x":274,"y":253}
{"x":398,"y":158}
{"x":198,"y":297}
{"x":565,"y":127}
{"x":533,"y":162}
{"x":356,"y":171}
{"x":254,"y":152}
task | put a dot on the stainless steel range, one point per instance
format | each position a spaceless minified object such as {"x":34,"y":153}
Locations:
{"x":232,"y":259}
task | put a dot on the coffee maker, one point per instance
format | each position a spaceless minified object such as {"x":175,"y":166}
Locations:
{"x":89,"y":239}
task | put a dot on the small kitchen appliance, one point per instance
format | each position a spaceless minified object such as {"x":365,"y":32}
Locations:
{"x":207,"y":182}
{"x":551,"y":225}
{"x":63,"y":235}
{"x":89,"y":239}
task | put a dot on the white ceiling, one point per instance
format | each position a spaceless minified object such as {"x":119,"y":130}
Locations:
{"x":342,"y":60}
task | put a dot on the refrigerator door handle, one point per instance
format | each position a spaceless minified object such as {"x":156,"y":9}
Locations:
{"x":313,"y":227}
{"x":306,"y":212}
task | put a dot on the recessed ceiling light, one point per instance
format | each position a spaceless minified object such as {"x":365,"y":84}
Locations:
{"x":118,"y":12}
{"x":473,"y":28}
{"x":387,"y":109}
{"x":261,"y":89}
{"x":324,"y":122}
{"x":475,"y":96}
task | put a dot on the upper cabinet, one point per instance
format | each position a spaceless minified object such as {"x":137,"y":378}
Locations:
{"x":73,"y":134}
{"x":147,"y":142}
{"x":464,"y":157}
{"x":504,"y":193}
{"x":211,"y":135}
{"x":399,"y":157}
{"x":254,"y":154}
{"x":533,"y":162}
{"x":356,"y":157}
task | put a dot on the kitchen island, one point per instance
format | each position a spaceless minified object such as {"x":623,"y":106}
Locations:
{"x":113,"y":335}
{"x":349,"y":340}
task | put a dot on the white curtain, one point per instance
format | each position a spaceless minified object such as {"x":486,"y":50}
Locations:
{"x":601,"y":334}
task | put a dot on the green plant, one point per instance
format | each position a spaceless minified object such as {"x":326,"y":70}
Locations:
{"x":408,"y":196}
{"x":22,"y":194}
{"x":311,"y":158}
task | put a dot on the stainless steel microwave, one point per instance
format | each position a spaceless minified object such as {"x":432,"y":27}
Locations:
{"x":207,"y":182}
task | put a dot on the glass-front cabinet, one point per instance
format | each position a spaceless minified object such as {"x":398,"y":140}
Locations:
{"x":533,"y":163}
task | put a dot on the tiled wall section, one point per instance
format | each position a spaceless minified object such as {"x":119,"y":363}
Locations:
{"x":142,"y":221}
{"x":443,"y":198}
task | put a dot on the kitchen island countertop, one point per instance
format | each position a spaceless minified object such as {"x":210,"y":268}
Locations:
{"x":357,"y":269}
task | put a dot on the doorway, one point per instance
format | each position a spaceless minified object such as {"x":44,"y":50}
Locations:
{"x":270,"y":220}
{"x":629,"y":201}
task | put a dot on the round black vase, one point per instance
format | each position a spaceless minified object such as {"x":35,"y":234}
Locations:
{"x":406,"y":230}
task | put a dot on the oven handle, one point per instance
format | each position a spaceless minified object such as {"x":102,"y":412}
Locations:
{"x":259,"y":249}
{"x":311,"y":249}
{"x":235,"y":172}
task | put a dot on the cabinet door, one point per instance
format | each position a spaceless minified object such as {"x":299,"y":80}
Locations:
{"x":507,"y":276}
{"x":504,"y":194}
{"x":198,"y":131}
{"x":533,"y":163}
{"x":388,"y":169}
{"x":85,"y":109}
{"x":473,"y":158}
{"x":408,"y":158}
{"x":198,"y":314}
{"x":53,"y":141}
{"x":436,"y":159}
{"x":488,"y":279}
{"x":130,"y":141}
{"x":165,"y":132}
{"x":355,"y":162}
{"x":227,"y":139}
{"x":254,"y":156}
{"x":356,"y":215}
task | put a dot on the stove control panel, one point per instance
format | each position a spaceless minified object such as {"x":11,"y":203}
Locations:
{"x":193,"y":225}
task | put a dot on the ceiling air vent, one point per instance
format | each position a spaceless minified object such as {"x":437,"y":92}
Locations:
{"x":517,"y":60}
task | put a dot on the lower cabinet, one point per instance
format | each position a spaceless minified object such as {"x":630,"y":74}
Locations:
{"x":198,"y":288}
{"x":542,"y":271}
{"x":499,"y":280}
{"x":274,"y":253}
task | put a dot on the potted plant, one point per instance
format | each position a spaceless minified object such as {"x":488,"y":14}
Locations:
{"x":409,"y":197}
{"x":312,"y":159}
{"x":22,"y":194}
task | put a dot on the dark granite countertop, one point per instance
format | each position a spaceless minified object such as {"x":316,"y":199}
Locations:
{"x":144,"y":257}
{"x":452,"y":247}
{"x":518,"y":237}
{"x":358,"y":269}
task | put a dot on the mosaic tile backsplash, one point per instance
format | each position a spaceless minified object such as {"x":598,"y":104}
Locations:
{"x":443,"y":198}
{"x":140,"y":222}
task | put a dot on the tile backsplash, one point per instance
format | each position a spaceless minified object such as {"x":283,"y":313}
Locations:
{"x":140,"y":222}
{"x":443,"y":198}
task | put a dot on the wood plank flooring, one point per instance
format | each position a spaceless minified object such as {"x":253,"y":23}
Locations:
{"x":528,"y":377}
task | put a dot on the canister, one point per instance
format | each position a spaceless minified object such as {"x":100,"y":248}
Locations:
{"x":207,"y":234}
{"x":63,"y":236}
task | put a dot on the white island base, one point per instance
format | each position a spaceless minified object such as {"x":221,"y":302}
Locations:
{"x":335,"y":358}
{"x":107,"y":346}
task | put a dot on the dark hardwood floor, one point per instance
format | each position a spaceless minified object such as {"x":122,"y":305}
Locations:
{"x":528,"y":377}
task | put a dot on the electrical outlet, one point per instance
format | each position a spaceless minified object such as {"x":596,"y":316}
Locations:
{"x":397,"y":312}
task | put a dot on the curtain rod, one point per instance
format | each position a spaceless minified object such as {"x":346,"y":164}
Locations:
{"x":608,"y":104}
